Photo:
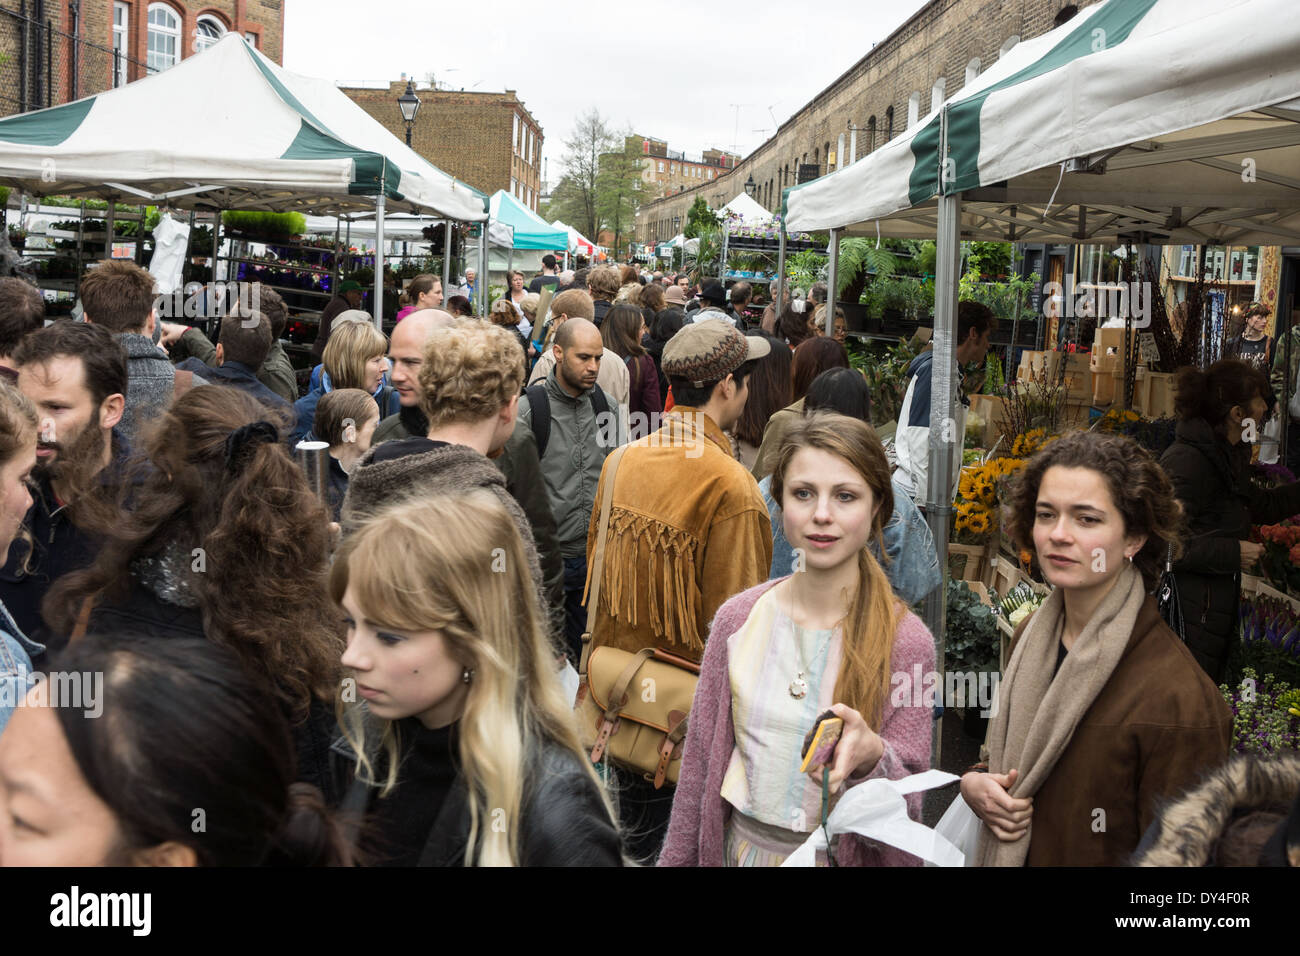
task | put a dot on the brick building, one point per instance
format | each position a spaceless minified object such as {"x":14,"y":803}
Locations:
{"x":488,"y":140}
{"x":665,"y":172}
{"x":52,"y":51}
{"x":920,"y":64}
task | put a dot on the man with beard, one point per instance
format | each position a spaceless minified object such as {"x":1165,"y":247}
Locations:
{"x":75,"y":374}
{"x":576,"y":426}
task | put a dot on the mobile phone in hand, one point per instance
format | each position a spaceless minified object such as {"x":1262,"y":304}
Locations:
{"x":819,"y":743}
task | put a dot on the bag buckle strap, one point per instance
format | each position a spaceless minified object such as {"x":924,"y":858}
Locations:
{"x":617,"y":698}
{"x":676,"y":733}
{"x":602,"y":739}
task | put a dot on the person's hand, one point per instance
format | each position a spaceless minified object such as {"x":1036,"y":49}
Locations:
{"x":1250,"y":552}
{"x":986,"y":794}
{"x":858,"y":751}
{"x":171,"y":332}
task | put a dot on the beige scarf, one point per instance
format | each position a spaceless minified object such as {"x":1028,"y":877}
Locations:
{"x":1035,"y":715}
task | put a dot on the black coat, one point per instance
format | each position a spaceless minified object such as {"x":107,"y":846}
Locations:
{"x":1211,"y":480}
{"x":563,"y":821}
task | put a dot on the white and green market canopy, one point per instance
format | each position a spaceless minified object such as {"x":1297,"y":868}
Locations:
{"x":531,"y":230}
{"x":227,"y":128}
{"x":1178,"y":120}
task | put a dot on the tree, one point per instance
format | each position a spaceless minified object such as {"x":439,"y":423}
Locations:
{"x":700,"y":218}
{"x":618,"y":189}
{"x":575,"y":197}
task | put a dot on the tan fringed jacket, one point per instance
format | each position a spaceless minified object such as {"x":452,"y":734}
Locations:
{"x":688,"y":530}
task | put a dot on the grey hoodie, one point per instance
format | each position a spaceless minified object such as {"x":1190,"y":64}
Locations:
{"x":151,"y":381}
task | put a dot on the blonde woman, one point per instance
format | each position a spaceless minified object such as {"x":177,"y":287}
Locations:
{"x":780,"y":654}
{"x":355,"y":357}
{"x":465,"y":746}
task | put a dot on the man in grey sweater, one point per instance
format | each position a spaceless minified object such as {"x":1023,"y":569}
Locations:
{"x":119,"y":296}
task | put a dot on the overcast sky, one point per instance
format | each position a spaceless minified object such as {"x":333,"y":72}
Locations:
{"x":671,"y":70}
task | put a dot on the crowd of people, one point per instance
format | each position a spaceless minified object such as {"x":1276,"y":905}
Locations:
{"x":430,"y":660}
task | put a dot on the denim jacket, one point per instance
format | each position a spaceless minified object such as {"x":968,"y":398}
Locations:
{"x":913,"y":567}
{"x":16,"y":653}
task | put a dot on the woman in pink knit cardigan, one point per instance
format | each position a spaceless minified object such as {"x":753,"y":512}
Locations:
{"x":828,"y":637}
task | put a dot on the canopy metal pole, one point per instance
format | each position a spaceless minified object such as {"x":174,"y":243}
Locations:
{"x":216,"y":240}
{"x":481,"y":298}
{"x":778,"y":292}
{"x":378,"y":304}
{"x":943,"y":427}
{"x":338,"y":258}
{"x":832,"y":275}
{"x":446,"y":257}
{"x":108,"y":229}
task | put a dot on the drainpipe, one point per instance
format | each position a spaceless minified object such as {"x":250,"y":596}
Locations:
{"x":74,"y":10}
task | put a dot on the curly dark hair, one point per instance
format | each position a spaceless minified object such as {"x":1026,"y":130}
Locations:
{"x":1142,"y":492}
{"x":1211,"y":393}
{"x":264,"y":534}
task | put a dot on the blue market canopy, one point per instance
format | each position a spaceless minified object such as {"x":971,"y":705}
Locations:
{"x":531,"y":230}
{"x":227,"y":128}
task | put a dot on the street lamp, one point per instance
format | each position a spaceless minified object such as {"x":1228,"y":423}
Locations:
{"x":677,"y":221}
{"x":409,"y":104}
{"x":750,"y":186}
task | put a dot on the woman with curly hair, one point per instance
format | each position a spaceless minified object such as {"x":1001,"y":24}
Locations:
{"x":220,"y":538}
{"x":1102,"y":712}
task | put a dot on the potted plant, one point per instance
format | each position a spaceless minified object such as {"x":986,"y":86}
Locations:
{"x":972,"y":645}
{"x":17,"y":237}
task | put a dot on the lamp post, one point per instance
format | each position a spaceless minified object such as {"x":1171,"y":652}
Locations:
{"x":409,"y":104}
{"x":750,"y":186}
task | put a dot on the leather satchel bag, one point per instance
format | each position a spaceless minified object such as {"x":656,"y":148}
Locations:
{"x":632,"y":708}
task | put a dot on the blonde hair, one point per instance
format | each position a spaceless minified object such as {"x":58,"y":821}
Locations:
{"x":604,"y":281}
{"x":430,"y":564}
{"x":470,"y":371}
{"x":872,"y":612}
{"x":631,"y":294}
{"x":819,"y":317}
{"x":529,"y":305}
{"x":351,"y":345}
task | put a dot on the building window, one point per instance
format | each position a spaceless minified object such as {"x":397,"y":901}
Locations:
{"x":251,"y":38}
{"x":661,"y":165}
{"x":207,"y":32}
{"x":1067,"y":13}
{"x":1008,"y":46}
{"x":889,"y":124}
{"x":710,"y":174}
{"x":972,"y":69}
{"x":164,"y":42}
{"x":514,"y":133}
{"x":839,"y":152}
{"x":913,"y":109}
{"x":871,"y":134}
{"x":121,"y":40}
{"x":936,"y":93}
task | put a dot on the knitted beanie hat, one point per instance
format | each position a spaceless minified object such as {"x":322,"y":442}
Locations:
{"x":709,"y":351}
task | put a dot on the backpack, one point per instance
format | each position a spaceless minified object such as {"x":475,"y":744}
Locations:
{"x":540,"y":404}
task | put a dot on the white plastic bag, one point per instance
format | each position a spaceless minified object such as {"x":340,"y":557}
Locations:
{"x":876,"y":809}
{"x":570,"y":681}
{"x":960,"y":827}
{"x":171,"y":240}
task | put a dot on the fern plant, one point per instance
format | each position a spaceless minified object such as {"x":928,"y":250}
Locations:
{"x":858,"y":259}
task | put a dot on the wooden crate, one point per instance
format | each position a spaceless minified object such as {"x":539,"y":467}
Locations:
{"x":1105,"y":387}
{"x":1153,"y":393}
{"x":1031,"y":366}
{"x":1103,"y":340}
{"x":1099,"y":362}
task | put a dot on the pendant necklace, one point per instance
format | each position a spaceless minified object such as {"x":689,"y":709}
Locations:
{"x":798,"y":686}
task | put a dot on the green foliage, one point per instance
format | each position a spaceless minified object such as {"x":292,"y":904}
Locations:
{"x":618,"y":186}
{"x":910,"y":295}
{"x":4,"y":196}
{"x":1261,"y":721}
{"x":707,"y":259}
{"x":885,"y":369}
{"x":1002,"y":297}
{"x":993,"y":377}
{"x":972,"y":642}
{"x":805,"y":267}
{"x":277,"y":225}
{"x":989,"y":259}
{"x":858,"y":259}
{"x":700,"y":218}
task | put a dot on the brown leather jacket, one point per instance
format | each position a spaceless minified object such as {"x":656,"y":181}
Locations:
{"x":688,"y":529}
{"x":1157,"y":725}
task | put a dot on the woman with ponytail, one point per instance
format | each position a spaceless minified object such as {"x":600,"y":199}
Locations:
{"x":1221,"y":413}
{"x":828,"y":637}
{"x":461,"y":737}
{"x":107,"y":783}
{"x":222,"y":538}
{"x":422,"y":292}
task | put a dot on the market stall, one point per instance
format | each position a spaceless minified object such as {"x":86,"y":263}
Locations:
{"x":261,"y":138}
{"x":1075,"y":137}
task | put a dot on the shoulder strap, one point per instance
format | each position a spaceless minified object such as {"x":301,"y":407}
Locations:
{"x":183,"y":382}
{"x":598,"y":400}
{"x":540,"y":405}
{"x":596,"y":569}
